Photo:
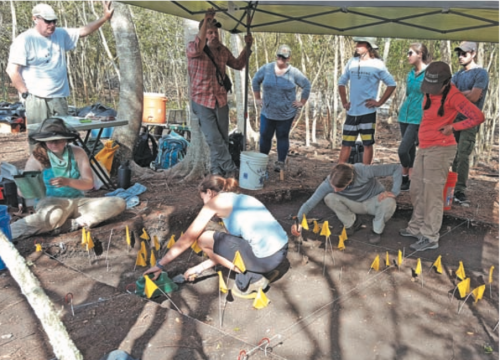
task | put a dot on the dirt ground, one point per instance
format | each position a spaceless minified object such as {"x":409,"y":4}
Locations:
{"x":327,"y":305}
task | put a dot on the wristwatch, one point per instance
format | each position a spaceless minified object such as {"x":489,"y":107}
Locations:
{"x":160,"y":266}
{"x":24,"y":95}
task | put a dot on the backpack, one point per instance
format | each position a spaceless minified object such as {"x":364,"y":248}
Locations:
{"x":171,"y":149}
{"x":236,"y":147}
{"x":357,"y":151}
{"x":143,"y":152}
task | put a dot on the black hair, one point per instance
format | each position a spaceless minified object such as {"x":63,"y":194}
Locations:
{"x":443,"y":98}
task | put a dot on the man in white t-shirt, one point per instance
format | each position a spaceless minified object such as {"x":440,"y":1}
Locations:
{"x":364,"y":73}
{"x":37,"y":62}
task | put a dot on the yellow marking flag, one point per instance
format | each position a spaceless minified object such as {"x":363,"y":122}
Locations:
{"x":156,"y":243}
{"x":152,"y":260}
{"x":196,"y":248}
{"x":304,"y":223}
{"x":376,"y":263}
{"x":341,"y":243}
{"x":261,"y":300}
{"x":171,"y":242}
{"x":490,"y":278}
{"x":222,"y":284}
{"x":84,"y":237}
{"x":38,"y":247}
{"x":418,"y":268}
{"x":437,"y":264}
{"x":238,"y":262}
{"x":144,"y":235}
{"x":387,"y":262}
{"x":140,"y":259}
{"x":460,"y":273}
{"x":316,"y":229}
{"x":90,"y":242}
{"x":325,"y":230}
{"x":400,"y":258}
{"x":344,"y":234}
{"x":478,"y":293}
{"x":464,"y":287}
{"x":127,"y":236}
{"x":149,"y":287}
{"x":143,"y":250}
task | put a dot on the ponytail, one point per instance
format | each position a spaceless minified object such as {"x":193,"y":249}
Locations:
{"x":443,"y":98}
{"x":427,"y":101}
{"x":217,"y":184}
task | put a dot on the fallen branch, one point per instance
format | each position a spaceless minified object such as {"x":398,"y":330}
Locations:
{"x":64,"y":348}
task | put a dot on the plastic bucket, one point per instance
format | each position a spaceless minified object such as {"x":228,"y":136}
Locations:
{"x":449,"y":189}
{"x":253,"y":170}
{"x":155,"y":108}
{"x":5,"y":227}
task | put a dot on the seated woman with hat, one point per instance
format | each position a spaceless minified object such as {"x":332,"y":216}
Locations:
{"x":66,"y":174}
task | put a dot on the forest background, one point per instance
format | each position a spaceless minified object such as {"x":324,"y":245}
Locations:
{"x":93,"y":67}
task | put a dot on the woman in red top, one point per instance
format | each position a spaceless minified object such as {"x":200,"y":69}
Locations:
{"x":437,"y":149}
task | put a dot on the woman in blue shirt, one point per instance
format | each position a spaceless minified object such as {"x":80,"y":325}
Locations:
{"x":279,"y":81}
{"x":410,"y":113}
{"x":251,"y":229}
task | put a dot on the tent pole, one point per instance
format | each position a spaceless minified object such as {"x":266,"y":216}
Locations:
{"x":245,"y":106}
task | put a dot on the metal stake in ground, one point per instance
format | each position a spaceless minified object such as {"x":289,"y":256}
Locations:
{"x":107,"y":251}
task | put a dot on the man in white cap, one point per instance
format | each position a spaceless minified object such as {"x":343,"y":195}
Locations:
{"x":472,"y":81}
{"x":37,"y":62}
{"x":363,"y":72}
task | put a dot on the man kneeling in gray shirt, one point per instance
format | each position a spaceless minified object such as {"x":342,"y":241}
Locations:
{"x":350,"y":190}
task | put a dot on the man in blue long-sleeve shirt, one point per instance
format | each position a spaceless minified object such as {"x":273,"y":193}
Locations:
{"x":352,"y":190}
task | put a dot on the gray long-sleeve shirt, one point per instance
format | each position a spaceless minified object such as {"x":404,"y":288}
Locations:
{"x":363,"y":187}
{"x":280,"y":91}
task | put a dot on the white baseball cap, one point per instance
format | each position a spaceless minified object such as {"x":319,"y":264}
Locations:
{"x":45,"y":12}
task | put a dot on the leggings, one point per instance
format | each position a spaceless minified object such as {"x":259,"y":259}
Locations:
{"x":282,"y":129}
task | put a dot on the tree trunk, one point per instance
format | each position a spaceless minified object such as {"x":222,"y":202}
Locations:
{"x":196,"y":163}
{"x":14,"y":19}
{"x":131,"y":80}
{"x":64,"y":348}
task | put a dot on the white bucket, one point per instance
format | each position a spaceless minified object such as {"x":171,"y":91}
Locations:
{"x":253,"y":170}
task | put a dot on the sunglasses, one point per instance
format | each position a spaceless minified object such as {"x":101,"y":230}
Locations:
{"x":410,"y":53}
{"x":48,"y":22}
{"x":461,"y":54}
{"x":282,"y":57}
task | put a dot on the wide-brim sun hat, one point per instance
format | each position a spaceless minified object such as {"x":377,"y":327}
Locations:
{"x":52,"y":129}
{"x":437,"y":75}
{"x":370,"y":40}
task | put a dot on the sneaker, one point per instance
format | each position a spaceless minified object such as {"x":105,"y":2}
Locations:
{"x":424,"y":244}
{"x":279,"y":165}
{"x":69,"y":225}
{"x":404,"y":232}
{"x":374,"y":238}
{"x":355,"y":227}
{"x":405,"y":185}
{"x":272,"y":275}
{"x":252,"y":290}
{"x":460,"y":198}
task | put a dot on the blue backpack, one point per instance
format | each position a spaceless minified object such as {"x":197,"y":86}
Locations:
{"x":171,"y":149}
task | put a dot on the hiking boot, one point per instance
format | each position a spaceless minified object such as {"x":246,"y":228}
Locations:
{"x":355,"y":227}
{"x":461,"y":199}
{"x":232,"y":174}
{"x":279,"y":165}
{"x":374,"y":238}
{"x":405,"y":185}
{"x":406,"y":233}
{"x":252,"y":290}
{"x":424,"y":244}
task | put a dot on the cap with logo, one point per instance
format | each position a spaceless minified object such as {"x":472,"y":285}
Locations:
{"x":437,"y":74}
{"x":467,"y":46}
{"x":370,"y":40}
{"x":44,"y":11}
{"x":285,"y":51}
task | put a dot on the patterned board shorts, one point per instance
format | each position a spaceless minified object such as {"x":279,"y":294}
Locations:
{"x":364,"y":125}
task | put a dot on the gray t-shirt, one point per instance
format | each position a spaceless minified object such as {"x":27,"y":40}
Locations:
{"x":364,"y":186}
{"x":43,"y":60}
{"x":467,"y":80}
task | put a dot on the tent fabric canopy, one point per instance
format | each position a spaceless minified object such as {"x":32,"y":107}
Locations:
{"x":434,"y":20}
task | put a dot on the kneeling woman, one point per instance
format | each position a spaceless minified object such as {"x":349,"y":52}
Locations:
{"x":252,"y":230}
{"x":67,"y":174}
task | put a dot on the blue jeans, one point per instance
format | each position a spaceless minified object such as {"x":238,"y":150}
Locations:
{"x":409,"y":142}
{"x":282,"y":129}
